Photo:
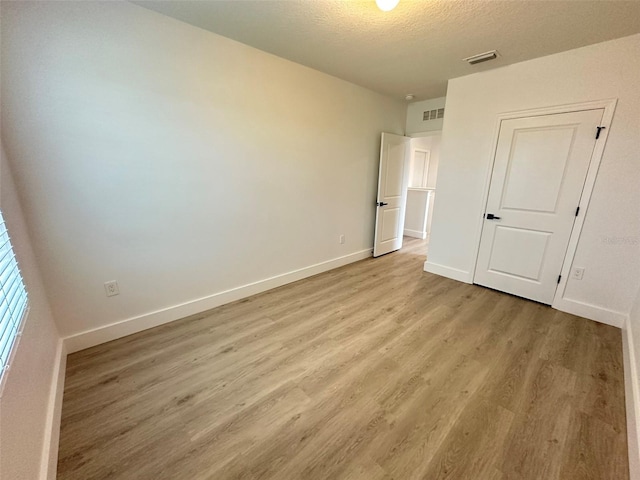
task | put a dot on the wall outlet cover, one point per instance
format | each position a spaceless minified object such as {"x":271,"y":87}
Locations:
{"x":111,"y":288}
{"x":577,"y":273}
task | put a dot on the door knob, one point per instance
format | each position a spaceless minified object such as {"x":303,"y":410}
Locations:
{"x":381,"y":204}
{"x":491,"y":216}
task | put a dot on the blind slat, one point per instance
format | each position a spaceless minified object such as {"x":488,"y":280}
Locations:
{"x":13,"y":298}
{"x":5,"y":328}
{"x":7,"y":266}
{"x":6,"y":342}
{"x":13,"y":288}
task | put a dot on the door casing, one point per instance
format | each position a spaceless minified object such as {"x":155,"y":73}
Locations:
{"x":609,"y":106}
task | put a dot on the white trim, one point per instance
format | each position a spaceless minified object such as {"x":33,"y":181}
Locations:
{"x":596,"y":158}
{"x":609,"y":106}
{"x":49,"y":464}
{"x":414,"y":233}
{"x":632,"y":400}
{"x":592,"y":312}
{"x":485,"y":196}
{"x":416,"y":189}
{"x":448,"y":272}
{"x":122,"y":328}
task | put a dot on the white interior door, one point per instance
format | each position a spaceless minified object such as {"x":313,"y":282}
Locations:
{"x":392,"y":193}
{"x":538,"y":175}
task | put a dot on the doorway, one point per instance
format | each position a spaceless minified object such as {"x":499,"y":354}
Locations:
{"x":424,"y":156}
{"x":406,"y":189}
{"x":540,"y":168}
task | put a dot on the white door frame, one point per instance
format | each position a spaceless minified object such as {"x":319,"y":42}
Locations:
{"x":609,"y":106}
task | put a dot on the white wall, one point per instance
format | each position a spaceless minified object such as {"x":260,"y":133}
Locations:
{"x":415,"y":113}
{"x":415,"y":217}
{"x":26,"y":407}
{"x":176,"y":161}
{"x":609,"y":247}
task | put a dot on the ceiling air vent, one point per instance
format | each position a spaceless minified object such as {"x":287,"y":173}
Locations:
{"x":481,"y":57}
{"x":433,"y":114}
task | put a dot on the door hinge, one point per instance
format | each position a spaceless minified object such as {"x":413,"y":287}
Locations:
{"x":559,"y":277}
{"x":577,"y":211}
{"x":598,"y":130}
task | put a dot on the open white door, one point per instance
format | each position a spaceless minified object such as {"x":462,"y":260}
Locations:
{"x":539,"y":172}
{"x":392,"y":193}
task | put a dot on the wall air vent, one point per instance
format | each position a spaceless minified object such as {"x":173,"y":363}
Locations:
{"x":433,"y":114}
{"x":481,"y":57}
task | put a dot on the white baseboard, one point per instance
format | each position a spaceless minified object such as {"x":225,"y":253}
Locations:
{"x":414,"y":233}
{"x":132,"y":325}
{"x":632,"y":400}
{"x":49,"y":464}
{"x":592,"y":312}
{"x":448,"y":272}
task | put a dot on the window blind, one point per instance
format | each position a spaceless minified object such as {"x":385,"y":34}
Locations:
{"x":13,"y":299}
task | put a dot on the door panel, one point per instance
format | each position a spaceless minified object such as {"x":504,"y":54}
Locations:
{"x":389,"y":222}
{"x":537,"y":168}
{"x":504,"y":259}
{"x":392,"y":193}
{"x":394,"y":171}
{"x":539,"y":171}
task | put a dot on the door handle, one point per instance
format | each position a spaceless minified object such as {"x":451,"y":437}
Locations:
{"x":491,"y":216}
{"x":381,"y":204}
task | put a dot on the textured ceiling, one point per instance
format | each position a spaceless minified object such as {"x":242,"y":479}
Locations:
{"x":415,"y":48}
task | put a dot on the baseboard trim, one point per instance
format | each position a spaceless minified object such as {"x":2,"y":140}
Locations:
{"x":122,"y":328}
{"x":49,"y":463}
{"x":592,"y":312}
{"x":448,"y":272}
{"x":632,"y":400}
{"x":415,"y":233}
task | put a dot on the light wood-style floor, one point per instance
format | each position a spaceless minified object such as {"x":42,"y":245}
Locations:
{"x":376,"y":370}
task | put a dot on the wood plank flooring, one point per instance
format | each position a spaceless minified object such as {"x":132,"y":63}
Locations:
{"x":376,"y":370}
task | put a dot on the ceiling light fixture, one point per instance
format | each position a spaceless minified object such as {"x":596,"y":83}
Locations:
{"x":481,"y":57}
{"x":387,"y":5}
{"x":409,"y":96}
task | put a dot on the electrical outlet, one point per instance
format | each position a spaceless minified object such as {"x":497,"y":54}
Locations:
{"x":341,"y":239}
{"x":577,"y":273}
{"x":111,"y":288}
